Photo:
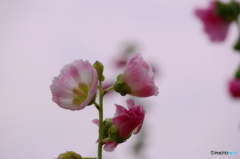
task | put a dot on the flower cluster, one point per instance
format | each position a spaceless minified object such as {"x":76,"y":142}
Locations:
{"x":214,"y":25}
{"x":217,"y":18}
{"x":76,"y":87}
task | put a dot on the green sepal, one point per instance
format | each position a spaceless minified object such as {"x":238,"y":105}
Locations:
{"x":121,"y":87}
{"x":93,"y":99}
{"x":69,"y":155}
{"x":115,"y":136}
{"x":229,"y":11}
{"x":107,"y":123}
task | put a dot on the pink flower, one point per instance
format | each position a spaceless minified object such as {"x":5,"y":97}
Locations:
{"x":129,"y":121}
{"x":234,"y":88}
{"x":215,"y":26}
{"x":138,"y":75}
{"x":75,"y":86}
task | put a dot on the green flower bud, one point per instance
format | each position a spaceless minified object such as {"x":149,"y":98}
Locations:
{"x":69,"y":155}
{"x":229,"y":11}
{"x":99,"y":68}
{"x":107,"y":123}
{"x":121,"y":87}
{"x":115,"y":136}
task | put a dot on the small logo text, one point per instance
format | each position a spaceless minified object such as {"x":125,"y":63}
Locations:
{"x":224,"y":152}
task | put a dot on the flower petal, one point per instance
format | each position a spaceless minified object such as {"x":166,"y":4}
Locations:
{"x":96,"y":121}
{"x":127,"y":127}
{"x":110,"y":146}
{"x":120,"y":110}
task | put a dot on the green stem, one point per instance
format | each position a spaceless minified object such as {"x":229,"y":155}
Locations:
{"x":100,"y":110}
{"x":96,"y":105}
{"x":108,"y":89}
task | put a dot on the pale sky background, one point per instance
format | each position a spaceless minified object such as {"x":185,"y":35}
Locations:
{"x":192,"y":115}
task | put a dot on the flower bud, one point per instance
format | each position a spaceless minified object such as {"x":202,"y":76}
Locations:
{"x":107,"y":123}
{"x":69,"y":155}
{"x":115,"y":136}
{"x":137,"y":79}
{"x":121,"y":87}
{"x":99,"y":68}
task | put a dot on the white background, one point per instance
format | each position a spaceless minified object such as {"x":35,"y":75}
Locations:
{"x":192,"y":115}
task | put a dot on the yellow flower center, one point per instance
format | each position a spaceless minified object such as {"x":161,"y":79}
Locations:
{"x":80,"y":93}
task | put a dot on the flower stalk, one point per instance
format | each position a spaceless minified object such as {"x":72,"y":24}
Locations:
{"x":100,"y":110}
{"x":76,"y":87}
{"x":108,"y":89}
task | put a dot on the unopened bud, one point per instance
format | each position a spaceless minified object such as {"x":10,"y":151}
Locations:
{"x":107,"y":123}
{"x":69,"y":155}
{"x":99,"y":68}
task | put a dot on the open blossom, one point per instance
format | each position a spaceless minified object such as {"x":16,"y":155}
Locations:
{"x":129,"y":121}
{"x":75,"y":86}
{"x":139,"y":77}
{"x":215,"y":26}
{"x":234,"y":88}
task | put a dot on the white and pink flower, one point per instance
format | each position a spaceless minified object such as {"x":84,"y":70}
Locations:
{"x":139,"y":77}
{"x":75,"y":86}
